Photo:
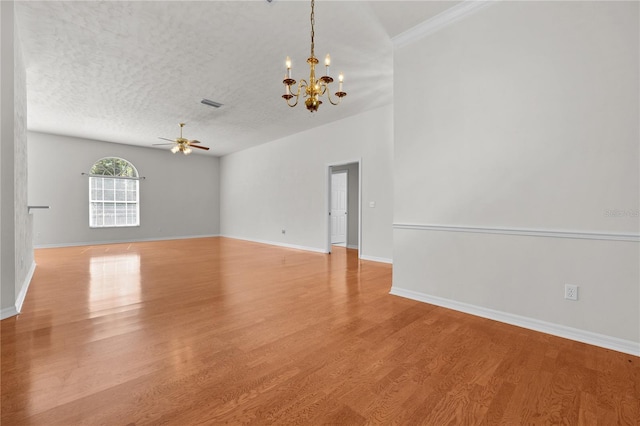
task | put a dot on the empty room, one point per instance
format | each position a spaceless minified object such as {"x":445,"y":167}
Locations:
{"x":320,"y":212}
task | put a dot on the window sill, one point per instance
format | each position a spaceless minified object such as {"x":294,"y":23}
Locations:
{"x":114,"y":226}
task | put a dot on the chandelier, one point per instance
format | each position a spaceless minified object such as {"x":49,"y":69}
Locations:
{"x":314,"y":88}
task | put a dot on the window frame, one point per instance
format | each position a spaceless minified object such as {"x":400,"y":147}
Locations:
{"x":119,"y":184}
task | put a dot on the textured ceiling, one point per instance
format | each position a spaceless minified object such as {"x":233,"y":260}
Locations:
{"x":130,"y":71}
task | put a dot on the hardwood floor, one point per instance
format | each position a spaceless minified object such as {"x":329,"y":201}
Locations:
{"x":214,"y":330}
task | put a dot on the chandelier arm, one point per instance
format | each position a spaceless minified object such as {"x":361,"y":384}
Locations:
{"x":296,"y":103}
{"x":324,"y":88}
{"x":331,"y":100}
{"x":302,"y":84}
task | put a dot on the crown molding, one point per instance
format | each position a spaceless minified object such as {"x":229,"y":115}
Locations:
{"x":440,"y":21}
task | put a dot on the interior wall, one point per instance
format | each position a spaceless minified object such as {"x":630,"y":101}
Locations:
{"x":352,"y":202}
{"x":529,"y":122}
{"x":24,"y":221}
{"x":16,"y":223}
{"x":179,"y":196}
{"x":283,"y":184}
{"x":7,"y":233}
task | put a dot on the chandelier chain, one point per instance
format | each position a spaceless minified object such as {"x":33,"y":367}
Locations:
{"x":313,"y":21}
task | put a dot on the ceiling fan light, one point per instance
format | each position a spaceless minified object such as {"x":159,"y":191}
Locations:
{"x":175,"y":149}
{"x":187,"y":151}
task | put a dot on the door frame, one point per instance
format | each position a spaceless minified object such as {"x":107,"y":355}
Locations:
{"x":327,"y":202}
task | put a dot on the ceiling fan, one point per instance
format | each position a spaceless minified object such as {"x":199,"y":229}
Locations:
{"x":181,"y":144}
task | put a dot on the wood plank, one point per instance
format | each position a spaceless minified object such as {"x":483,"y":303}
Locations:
{"x":215,"y":330}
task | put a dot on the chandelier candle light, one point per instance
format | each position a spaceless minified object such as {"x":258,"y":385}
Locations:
{"x":313,"y":89}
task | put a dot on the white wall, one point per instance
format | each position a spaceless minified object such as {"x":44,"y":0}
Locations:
{"x":283,"y":184}
{"x":7,"y":253}
{"x":352,"y":202}
{"x":16,"y":223}
{"x":523,"y":116}
{"x":178,"y":198}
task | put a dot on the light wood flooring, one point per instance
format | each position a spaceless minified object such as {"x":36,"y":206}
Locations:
{"x":221,"y":331}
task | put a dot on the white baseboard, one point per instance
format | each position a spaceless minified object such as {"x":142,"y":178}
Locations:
{"x":8,"y":312}
{"x":376,"y":259}
{"x":25,"y":287}
{"x":137,"y":240}
{"x":306,"y":248}
{"x":15,"y":310}
{"x":596,"y":339}
{"x":279,"y":244}
{"x":352,"y":246}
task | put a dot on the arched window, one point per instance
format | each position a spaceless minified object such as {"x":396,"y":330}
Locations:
{"x":113,"y":194}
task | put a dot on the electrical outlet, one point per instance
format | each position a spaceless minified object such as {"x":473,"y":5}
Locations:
{"x":571,"y":292}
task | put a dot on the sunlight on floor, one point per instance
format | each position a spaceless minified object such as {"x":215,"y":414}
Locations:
{"x":115,"y":280}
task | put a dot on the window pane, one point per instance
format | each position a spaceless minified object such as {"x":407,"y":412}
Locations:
{"x":92,"y":214}
{"x":121,"y":195}
{"x":132,"y":214}
{"x":93,"y":185}
{"x":121,"y":214}
{"x":96,"y":214}
{"x":109,"y":214}
{"x":108,"y":194}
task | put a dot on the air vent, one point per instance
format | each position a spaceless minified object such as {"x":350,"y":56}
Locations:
{"x":211,"y":103}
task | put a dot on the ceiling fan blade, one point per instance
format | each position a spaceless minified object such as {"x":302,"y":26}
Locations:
{"x":206,"y":148}
{"x":165,"y":139}
{"x":194,"y":141}
{"x":159,"y":144}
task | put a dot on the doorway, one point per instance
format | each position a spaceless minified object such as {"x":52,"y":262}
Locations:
{"x":339,"y":211}
{"x":344,"y":205}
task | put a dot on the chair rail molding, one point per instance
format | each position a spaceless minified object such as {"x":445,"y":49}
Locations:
{"x":549,"y":233}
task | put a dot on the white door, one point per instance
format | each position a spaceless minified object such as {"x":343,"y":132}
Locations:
{"x":339,"y":208}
